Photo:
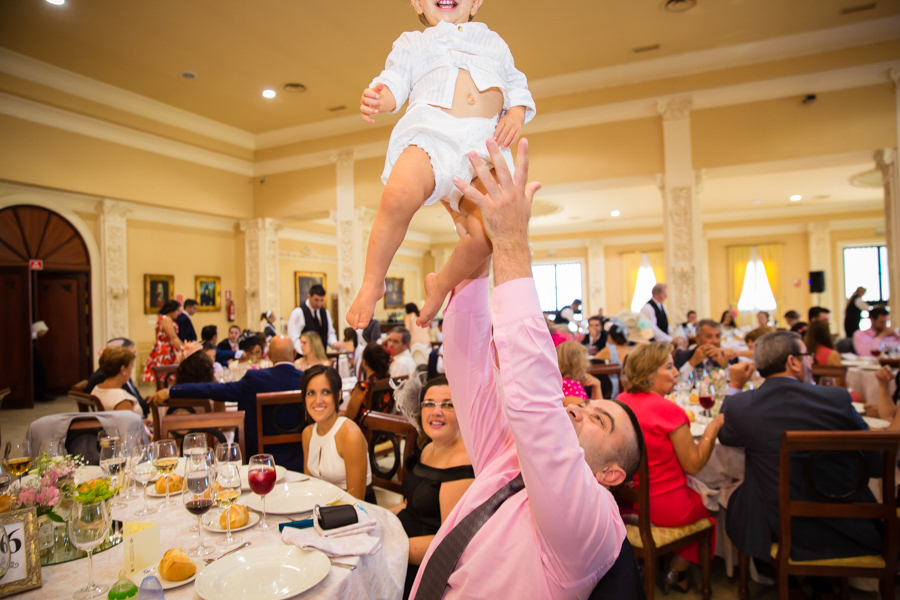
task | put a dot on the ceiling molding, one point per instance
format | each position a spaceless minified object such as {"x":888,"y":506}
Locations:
{"x":321,"y":129}
{"x":63,"y":80}
{"x":118,"y":134}
{"x":825,"y":208}
{"x":845,"y":224}
{"x":805,"y":163}
{"x":307,"y":254}
{"x":317,"y":159}
{"x":330,"y":239}
{"x":742,"y":232}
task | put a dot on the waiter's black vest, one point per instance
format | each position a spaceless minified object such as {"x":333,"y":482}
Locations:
{"x":662,"y":320}
{"x":852,"y":316}
{"x":320,"y":327}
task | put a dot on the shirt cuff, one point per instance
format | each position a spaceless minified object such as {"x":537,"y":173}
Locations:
{"x":395,"y":85}
{"x":514,"y":301}
{"x":523,"y":98}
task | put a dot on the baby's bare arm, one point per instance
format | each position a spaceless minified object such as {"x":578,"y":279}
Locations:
{"x":376,"y":100}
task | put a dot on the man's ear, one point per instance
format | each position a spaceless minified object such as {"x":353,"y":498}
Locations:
{"x":611,"y":475}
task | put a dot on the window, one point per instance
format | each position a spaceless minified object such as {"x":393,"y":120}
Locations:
{"x":643,"y":288}
{"x":557,"y":285}
{"x":756,"y":293}
{"x":867,"y":267}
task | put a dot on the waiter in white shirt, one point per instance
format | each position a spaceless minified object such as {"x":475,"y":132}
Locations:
{"x":312,"y":316}
{"x":657,"y":314}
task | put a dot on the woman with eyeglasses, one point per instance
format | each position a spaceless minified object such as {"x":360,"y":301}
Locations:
{"x":438,"y":475}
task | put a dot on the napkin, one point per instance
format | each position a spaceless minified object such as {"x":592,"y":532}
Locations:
{"x":360,"y":544}
{"x":364,"y":524}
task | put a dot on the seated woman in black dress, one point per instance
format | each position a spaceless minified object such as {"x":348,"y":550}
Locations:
{"x":438,"y":475}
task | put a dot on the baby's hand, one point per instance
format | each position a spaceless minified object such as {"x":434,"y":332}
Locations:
{"x":510,"y":127}
{"x":371,"y":102}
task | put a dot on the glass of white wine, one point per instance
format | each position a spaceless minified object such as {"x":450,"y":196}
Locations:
{"x":17,"y":459}
{"x":113,"y":461}
{"x":165,"y":459}
{"x":228,"y":476}
{"x":142,"y":471}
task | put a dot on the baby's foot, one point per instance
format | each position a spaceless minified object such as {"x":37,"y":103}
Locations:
{"x":434,"y":299}
{"x":363,"y":308}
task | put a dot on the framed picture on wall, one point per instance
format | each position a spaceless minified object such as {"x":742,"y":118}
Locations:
{"x":303,"y":281}
{"x":158,"y":289}
{"x":393,"y":292}
{"x":24,"y":564}
{"x":209,"y":293}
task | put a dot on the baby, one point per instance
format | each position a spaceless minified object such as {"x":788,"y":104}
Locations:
{"x":463,"y":88}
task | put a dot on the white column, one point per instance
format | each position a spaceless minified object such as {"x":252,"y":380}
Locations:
{"x":263,"y":289}
{"x":895,"y":76}
{"x":820,"y":260}
{"x":596,"y":277}
{"x":682,"y":228}
{"x":886,"y":161}
{"x":351,"y":252}
{"x":114,"y":252}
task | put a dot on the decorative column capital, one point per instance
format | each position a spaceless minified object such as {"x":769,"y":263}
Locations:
{"x":894,"y":74}
{"x":343,"y":158}
{"x":271,"y":226}
{"x":113,"y":209}
{"x":885,"y":160}
{"x":675,"y":108}
{"x":365,"y":216}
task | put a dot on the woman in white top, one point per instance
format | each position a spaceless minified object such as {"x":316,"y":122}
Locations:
{"x":117,"y":365}
{"x":334,"y":448}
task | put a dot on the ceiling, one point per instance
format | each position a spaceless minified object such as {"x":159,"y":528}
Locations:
{"x":237,"y":48}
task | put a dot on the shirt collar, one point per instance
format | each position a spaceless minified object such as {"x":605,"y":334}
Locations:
{"x":284,"y":362}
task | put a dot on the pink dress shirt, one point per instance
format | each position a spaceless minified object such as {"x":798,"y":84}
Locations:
{"x":866,"y":341}
{"x":559,"y":536}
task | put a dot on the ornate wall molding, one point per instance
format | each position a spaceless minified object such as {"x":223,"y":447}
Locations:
{"x":307,"y":253}
{"x":114,"y":273}
{"x":678,"y":107}
{"x":263,"y":290}
{"x":886,"y":161}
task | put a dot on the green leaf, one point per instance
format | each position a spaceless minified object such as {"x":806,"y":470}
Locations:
{"x":54,"y":517}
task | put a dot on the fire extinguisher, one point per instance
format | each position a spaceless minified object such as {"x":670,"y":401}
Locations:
{"x":230,"y":308}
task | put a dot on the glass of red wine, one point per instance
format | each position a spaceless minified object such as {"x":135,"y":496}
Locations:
{"x":261,"y":475}
{"x":197,"y":495}
{"x":707,"y":396}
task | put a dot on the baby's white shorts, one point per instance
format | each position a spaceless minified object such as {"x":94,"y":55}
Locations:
{"x":447,"y":140}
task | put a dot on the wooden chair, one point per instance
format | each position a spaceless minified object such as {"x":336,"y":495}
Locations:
{"x":651,"y":542}
{"x":82,"y":426}
{"x":881,"y":566}
{"x":830,"y":375}
{"x":375,"y":396}
{"x":80,"y":386}
{"x":87,"y":402}
{"x":374,"y":425}
{"x":163,"y":374}
{"x":613,"y":369}
{"x":202,"y":423}
{"x":177,"y":406}
{"x":283,"y":436}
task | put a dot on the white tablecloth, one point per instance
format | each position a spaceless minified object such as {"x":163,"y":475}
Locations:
{"x":863,"y":382}
{"x":380,"y":576}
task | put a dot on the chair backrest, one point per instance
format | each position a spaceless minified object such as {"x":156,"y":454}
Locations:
{"x":835,"y":375}
{"x":283,"y":436}
{"x":817,"y":443}
{"x":87,"y":427}
{"x":178,"y":406}
{"x":640,"y":496}
{"x":203,"y":423}
{"x":80,"y":386}
{"x":374,"y":423}
{"x":613,"y":369}
{"x":163,"y":374}
{"x":87,"y":402}
{"x":380,"y":395}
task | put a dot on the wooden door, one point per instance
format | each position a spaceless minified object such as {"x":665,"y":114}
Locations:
{"x":15,"y":331}
{"x":60,"y":300}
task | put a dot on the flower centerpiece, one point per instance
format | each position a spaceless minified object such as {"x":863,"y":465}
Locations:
{"x":49,"y":490}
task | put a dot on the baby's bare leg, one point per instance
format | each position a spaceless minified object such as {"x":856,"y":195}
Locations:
{"x":411,"y":183}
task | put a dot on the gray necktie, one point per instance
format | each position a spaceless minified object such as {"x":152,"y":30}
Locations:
{"x":443,"y":561}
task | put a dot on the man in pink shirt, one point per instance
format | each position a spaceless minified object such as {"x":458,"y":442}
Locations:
{"x":561,"y":534}
{"x":866,"y":341}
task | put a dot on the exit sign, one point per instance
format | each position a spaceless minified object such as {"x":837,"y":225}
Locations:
{"x":36,"y":265}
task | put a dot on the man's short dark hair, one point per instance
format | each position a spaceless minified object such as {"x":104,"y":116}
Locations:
{"x":121,"y":341}
{"x":691,"y":312}
{"x":791,"y":315}
{"x":404,"y":332}
{"x":208,"y":345}
{"x":595,"y":318}
{"x":815,"y":311}
{"x":190,"y":302}
{"x":772,"y":350}
{"x":630,"y":457}
{"x":249,"y":341}
{"x":317,"y":290}
{"x":209,"y":332}
{"x":708,"y":323}
{"x":878,"y":312}
{"x":234,"y":327}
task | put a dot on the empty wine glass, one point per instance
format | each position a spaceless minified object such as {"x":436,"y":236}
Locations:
{"x":132,"y":445}
{"x":165,"y":459}
{"x":4,"y":483}
{"x":261,"y":475}
{"x":197,"y":494}
{"x":88,"y":527}
{"x":17,"y":459}
{"x":194,"y":447}
{"x":142,"y":470}
{"x":113,"y":461}
{"x":228,"y":452}
{"x":228,"y":476}
{"x":52,"y":448}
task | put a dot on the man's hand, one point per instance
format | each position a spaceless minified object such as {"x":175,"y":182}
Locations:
{"x":509,"y":127}
{"x":740,"y":374}
{"x":884,"y":375}
{"x":717,"y":355}
{"x":699,"y":354}
{"x":159,"y":398}
{"x":337,"y":346}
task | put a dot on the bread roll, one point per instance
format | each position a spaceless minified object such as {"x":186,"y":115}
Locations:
{"x":690,"y":415}
{"x":238,"y":514}
{"x":176,"y":565}
{"x":175,"y":484}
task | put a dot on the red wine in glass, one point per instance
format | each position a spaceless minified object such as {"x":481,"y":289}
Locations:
{"x":707,"y":402}
{"x":262,"y":481}
{"x":876,"y":352}
{"x":198,"y":507}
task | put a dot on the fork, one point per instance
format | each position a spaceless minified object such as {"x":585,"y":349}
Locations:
{"x":211,"y":560}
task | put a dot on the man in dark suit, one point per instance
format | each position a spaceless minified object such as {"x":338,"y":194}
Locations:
{"x":707,"y":351}
{"x":595,"y":340}
{"x":185,"y":326}
{"x":231,"y":344}
{"x":98,"y":377}
{"x":756,"y":420}
{"x":282,"y":377}
{"x":210,"y":333}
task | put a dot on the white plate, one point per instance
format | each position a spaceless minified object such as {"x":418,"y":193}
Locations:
{"x":152,"y":493}
{"x":293,"y":498}
{"x":273,"y":573}
{"x":860,"y":407}
{"x":245,"y":469}
{"x":214,"y":525}
{"x":697,"y":429}
{"x":88,"y":472}
{"x":874,"y":423}
{"x":168,"y":584}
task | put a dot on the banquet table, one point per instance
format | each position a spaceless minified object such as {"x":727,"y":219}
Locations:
{"x":861,"y":379}
{"x":378,"y":576}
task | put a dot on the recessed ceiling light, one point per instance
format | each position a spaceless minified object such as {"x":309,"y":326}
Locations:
{"x":295,"y":88}
{"x":678,"y":6}
{"x":57,"y":2}
{"x":338,"y":108}
{"x":855,"y":9}
{"x":796,"y":198}
{"x":189,"y":75}
{"x":649,"y":48}
{"x":268,"y":93}
{"x":616,"y":213}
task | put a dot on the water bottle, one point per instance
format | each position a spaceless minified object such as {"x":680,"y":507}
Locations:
{"x":151,"y":589}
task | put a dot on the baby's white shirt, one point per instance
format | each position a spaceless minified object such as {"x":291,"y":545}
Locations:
{"x":424,"y":65}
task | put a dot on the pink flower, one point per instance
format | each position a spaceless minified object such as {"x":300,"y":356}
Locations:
{"x":26,"y":496}
{"x":48,"y":496}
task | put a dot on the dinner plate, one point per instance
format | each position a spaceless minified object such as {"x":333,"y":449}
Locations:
{"x":245,"y":469}
{"x":215,"y":528}
{"x":297,"y":497}
{"x":88,"y":472}
{"x":860,"y":407}
{"x":876,"y":423}
{"x":272,"y":572}
{"x":168,"y":584}
{"x":152,"y":493}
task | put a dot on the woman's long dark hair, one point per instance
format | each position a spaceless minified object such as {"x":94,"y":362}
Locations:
{"x":169,"y":306}
{"x":334,"y":382}
{"x":378,"y":360}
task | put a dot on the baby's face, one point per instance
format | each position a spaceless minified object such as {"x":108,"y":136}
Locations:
{"x":450,"y":11}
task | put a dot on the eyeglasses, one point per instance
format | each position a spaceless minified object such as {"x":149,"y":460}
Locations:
{"x":428,"y":404}
{"x":801,"y":354}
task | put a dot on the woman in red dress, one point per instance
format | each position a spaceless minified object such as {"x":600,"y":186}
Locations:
{"x":167,"y":341}
{"x":672,"y":454}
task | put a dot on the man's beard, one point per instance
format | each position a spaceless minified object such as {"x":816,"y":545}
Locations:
{"x":807,"y":376}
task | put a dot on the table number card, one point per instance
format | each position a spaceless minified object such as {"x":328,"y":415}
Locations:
{"x":24,"y":562}
{"x":140,"y":546}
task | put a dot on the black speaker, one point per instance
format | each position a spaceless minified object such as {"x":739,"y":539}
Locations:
{"x":816,"y":282}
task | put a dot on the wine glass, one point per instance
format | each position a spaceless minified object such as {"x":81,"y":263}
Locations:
{"x":132,"y":444}
{"x":17,"y":459}
{"x":197,"y":494}
{"x":107,"y":436}
{"x":165,"y":459}
{"x":707,"y":396}
{"x":88,"y":527}
{"x":52,"y":448}
{"x":112,"y":462}
{"x":4,"y":483}
{"x":142,"y":471}
{"x":228,"y":475}
{"x":261,"y":474}
{"x":194,"y":447}
{"x":228,"y":452}
{"x":4,"y":552}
